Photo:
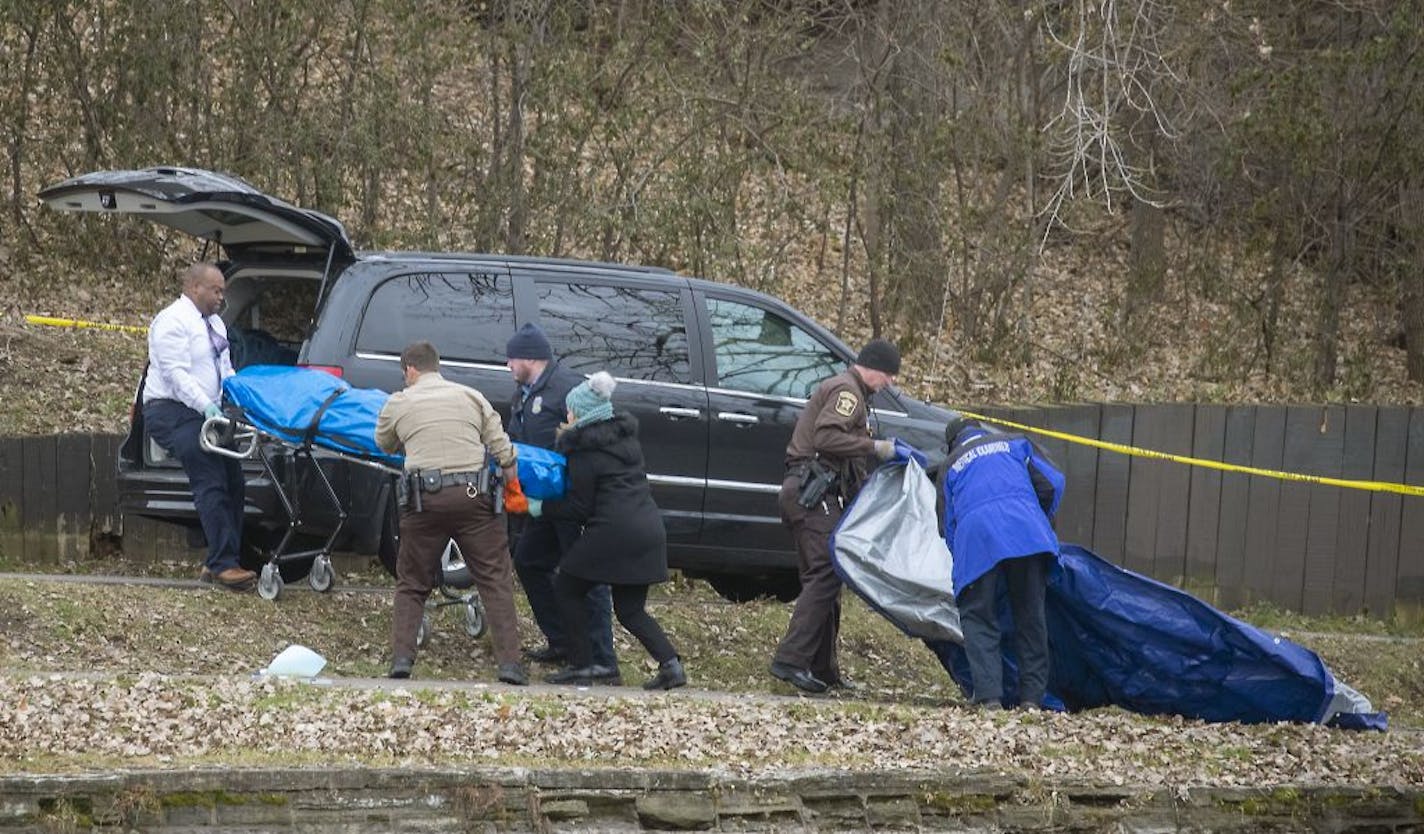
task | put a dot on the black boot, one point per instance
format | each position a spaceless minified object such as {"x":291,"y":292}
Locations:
{"x":670,"y":675}
{"x":584,"y":675}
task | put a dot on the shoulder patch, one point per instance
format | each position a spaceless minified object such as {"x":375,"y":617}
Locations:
{"x":846,"y":403}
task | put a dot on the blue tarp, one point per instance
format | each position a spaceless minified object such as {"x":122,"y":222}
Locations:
{"x":1119,"y":638}
{"x":302,"y":405}
{"x":543,"y":473}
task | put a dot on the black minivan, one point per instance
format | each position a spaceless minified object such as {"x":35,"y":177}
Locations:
{"x":715,"y":374}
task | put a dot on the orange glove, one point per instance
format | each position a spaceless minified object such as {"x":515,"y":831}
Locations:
{"x":514,"y":499}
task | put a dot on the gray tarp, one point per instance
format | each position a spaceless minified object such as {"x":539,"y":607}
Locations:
{"x":888,"y":549}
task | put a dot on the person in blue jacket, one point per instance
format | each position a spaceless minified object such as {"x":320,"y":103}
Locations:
{"x":1000,"y":494}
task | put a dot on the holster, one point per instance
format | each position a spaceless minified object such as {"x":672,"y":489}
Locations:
{"x":818,"y":481}
{"x":408,"y":492}
{"x":428,"y":480}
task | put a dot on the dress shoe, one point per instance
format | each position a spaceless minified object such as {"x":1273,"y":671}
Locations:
{"x":548,"y":654}
{"x":513,"y":674}
{"x":585,"y":675}
{"x":670,"y":675}
{"x":401,"y":667}
{"x":800,"y":678}
{"x":235,"y":579}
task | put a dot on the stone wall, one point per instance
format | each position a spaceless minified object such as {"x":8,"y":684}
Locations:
{"x":356,"y":800}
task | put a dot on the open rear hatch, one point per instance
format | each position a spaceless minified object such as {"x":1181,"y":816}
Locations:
{"x":248,"y":225}
{"x":206,"y":205}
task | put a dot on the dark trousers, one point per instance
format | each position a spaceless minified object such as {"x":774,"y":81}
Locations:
{"x":217,"y":482}
{"x":629,"y":603}
{"x":1026,"y":579}
{"x":481,"y":536}
{"x":537,"y":551}
{"x":811,"y":636}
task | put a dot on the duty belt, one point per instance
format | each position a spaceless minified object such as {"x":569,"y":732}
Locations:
{"x":475,"y":481}
{"x":470,"y":478}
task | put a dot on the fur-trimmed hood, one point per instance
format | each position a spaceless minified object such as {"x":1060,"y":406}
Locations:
{"x":617,"y":437}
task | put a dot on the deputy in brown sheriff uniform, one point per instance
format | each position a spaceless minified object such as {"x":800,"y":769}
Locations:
{"x":832,"y":436}
{"x":451,"y":428}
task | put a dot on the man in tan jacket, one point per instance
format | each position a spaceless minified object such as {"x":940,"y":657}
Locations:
{"x":448,"y":432}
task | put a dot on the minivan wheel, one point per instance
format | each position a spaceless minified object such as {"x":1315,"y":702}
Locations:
{"x":747,"y":588}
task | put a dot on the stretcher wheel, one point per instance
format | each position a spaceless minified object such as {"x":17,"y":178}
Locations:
{"x":475,"y":624}
{"x":422,"y":633}
{"x":321,"y":575}
{"x":269,"y":584}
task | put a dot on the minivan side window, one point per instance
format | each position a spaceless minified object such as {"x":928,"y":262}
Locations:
{"x":631,"y":333}
{"x":467,"y":316}
{"x":761,"y":352}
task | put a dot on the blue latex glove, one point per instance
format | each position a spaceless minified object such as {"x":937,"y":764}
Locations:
{"x":213,"y":410}
{"x":905,"y":452}
{"x":536,"y":507}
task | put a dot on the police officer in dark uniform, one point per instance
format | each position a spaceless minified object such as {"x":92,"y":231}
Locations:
{"x":534,"y":417}
{"x":825,"y":467}
{"x":448,"y":433}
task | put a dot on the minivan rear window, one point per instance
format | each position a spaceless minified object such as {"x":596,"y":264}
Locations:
{"x":631,"y":333}
{"x":467,"y":316}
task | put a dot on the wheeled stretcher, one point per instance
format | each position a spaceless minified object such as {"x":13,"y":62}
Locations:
{"x":312,"y":414}
{"x":309,"y":414}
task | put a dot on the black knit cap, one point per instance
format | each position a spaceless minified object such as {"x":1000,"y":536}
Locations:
{"x":957,"y":424}
{"x":529,"y":342}
{"x":879,"y":355}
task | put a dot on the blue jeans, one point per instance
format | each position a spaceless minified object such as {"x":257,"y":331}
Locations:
{"x":216,"y":481}
{"x":537,"y":553}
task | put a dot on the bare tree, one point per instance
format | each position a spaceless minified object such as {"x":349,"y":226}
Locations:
{"x":1116,"y":81}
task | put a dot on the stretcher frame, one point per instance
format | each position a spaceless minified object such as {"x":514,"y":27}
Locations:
{"x":229,"y":435}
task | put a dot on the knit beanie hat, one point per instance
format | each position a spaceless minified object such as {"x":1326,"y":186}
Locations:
{"x":592,"y":399}
{"x":879,"y":355}
{"x":529,"y":342}
{"x":957,"y":424}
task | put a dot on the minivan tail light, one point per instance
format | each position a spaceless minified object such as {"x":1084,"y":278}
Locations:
{"x":334,"y":370}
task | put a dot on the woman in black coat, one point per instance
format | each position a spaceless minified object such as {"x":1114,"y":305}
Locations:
{"x":623,"y":544}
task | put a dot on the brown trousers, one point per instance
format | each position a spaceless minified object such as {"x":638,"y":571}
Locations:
{"x":482,"y":537}
{"x":811,"y":636}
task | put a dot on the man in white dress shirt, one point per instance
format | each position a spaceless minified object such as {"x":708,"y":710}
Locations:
{"x":188,"y":358}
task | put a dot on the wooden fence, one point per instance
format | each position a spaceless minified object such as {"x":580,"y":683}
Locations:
{"x":1230,"y":538}
{"x":1235,"y":539}
{"x":58,"y":505}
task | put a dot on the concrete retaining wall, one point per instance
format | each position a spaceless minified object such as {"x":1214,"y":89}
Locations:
{"x":519,"y":800}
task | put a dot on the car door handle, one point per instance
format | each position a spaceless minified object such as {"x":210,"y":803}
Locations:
{"x":673,"y":412}
{"x":738,"y":418}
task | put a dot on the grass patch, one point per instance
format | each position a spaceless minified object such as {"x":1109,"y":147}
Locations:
{"x":1272,"y":618}
{"x":127,"y":630}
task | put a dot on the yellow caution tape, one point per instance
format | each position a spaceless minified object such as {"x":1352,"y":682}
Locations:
{"x":96,"y":325}
{"x":1373,"y":486}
